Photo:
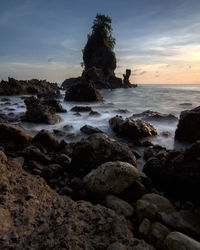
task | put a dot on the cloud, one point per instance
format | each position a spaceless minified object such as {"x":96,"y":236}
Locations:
{"x":69,"y":44}
{"x":142,"y":73}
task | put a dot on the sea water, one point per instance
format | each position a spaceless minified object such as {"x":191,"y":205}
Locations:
{"x":171,"y":98}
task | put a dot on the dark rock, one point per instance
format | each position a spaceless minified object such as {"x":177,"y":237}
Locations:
{"x":187,"y":222}
{"x":188,"y":126}
{"x":87,"y":129}
{"x":83,"y":92}
{"x":126,"y":81}
{"x":94,"y":113}
{"x":71,"y":82}
{"x":177,"y":172}
{"x":39,"y":113}
{"x":52,"y":171}
{"x":14,"y":136}
{"x":134,"y":129}
{"x":72,"y":136}
{"x":81,"y":109}
{"x":150,"y":115}
{"x":122,"y":111}
{"x":66,"y":191}
{"x":77,"y":114}
{"x":31,"y":87}
{"x":67,"y":127}
{"x":50,"y":95}
{"x":54,"y":104}
{"x":59,"y":133}
{"x":46,"y":141}
{"x":98,"y":149}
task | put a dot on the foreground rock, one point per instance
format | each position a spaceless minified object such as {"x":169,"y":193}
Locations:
{"x":32,"y":216}
{"x":97,"y":149}
{"x":87,"y":129}
{"x":134,"y":129}
{"x":111,"y":178}
{"x":178,"y":172}
{"x":37,"y":112}
{"x":30,"y":87}
{"x":188,"y":126}
{"x":83,"y":92}
{"x":176,"y":240}
{"x":14,"y":136}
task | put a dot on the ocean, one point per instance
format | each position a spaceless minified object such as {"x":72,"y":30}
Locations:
{"x":164,"y":98}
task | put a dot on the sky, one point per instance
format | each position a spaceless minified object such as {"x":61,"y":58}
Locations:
{"x":159,"y":40}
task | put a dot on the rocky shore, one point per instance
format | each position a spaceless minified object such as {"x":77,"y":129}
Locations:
{"x":90,"y":194}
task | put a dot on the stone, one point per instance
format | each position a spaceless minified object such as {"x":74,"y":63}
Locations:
{"x":134,"y":129}
{"x":188,"y":126}
{"x":46,"y":141}
{"x":179,"y":241}
{"x":162,"y":203}
{"x":83,"y":92}
{"x":158,"y":234}
{"x":54,"y":104}
{"x":87,"y":129}
{"x":117,"y":246}
{"x":97,"y":149}
{"x":14,"y":136}
{"x":81,"y":109}
{"x":111,"y":178}
{"x":145,"y":209}
{"x":144,"y":228}
{"x":120,"y":206}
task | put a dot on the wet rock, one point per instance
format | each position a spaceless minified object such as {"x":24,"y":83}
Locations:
{"x":97,"y":149}
{"x":176,"y":240}
{"x":46,"y":141}
{"x":81,"y":109}
{"x":67,"y":127}
{"x":50,"y":95}
{"x":120,"y":206}
{"x":111,"y":178}
{"x":87,"y":129}
{"x":14,"y":136}
{"x":187,"y":222}
{"x":177,"y":172}
{"x":134,"y":129}
{"x":39,"y":113}
{"x":59,"y":133}
{"x":83,"y":92}
{"x":72,"y":136}
{"x":54,"y":104}
{"x":34,"y":153}
{"x":150,"y":115}
{"x":188,"y":126}
{"x":70,"y":82}
{"x":122,"y":111}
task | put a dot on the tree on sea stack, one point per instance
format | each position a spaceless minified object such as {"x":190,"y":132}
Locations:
{"x":98,"y":56}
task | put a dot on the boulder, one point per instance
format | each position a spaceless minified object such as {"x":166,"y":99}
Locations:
{"x":46,"y":141}
{"x":178,"y":172}
{"x":144,"y":228}
{"x":97,"y":149}
{"x":111,"y":178}
{"x":3,"y":157}
{"x":14,"y":136}
{"x":83,"y":92}
{"x":188,"y":126}
{"x":54,"y":104}
{"x":70,"y":82}
{"x":134,"y":129}
{"x":120,"y":206}
{"x":179,"y":241}
{"x":39,"y":113}
{"x":87,"y":129}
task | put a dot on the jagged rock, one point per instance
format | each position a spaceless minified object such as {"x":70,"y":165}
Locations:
{"x":54,"y":104}
{"x":176,"y":240}
{"x":178,"y":172}
{"x":71,"y":82}
{"x":126,"y":81}
{"x":150,"y":115}
{"x":34,"y":216}
{"x":81,"y":109}
{"x":14,"y":136}
{"x":98,"y":149}
{"x":111,"y":178}
{"x":134,"y":129}
{"x":83,"y":92}
{"x":39,"y":113}
{"x":188,"y":126}
{"x":120,"y":206}
{"x":87,"y":129}
{"x":30,"y":87}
